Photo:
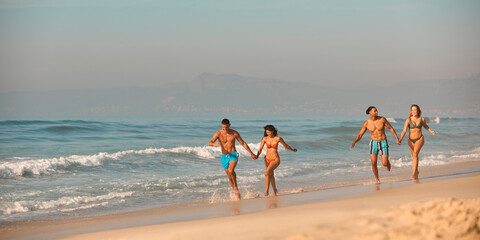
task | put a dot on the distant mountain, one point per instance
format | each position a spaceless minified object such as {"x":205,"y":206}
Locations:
{"x":234,"y":94}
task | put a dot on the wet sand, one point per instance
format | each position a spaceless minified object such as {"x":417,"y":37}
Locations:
{"x":444,"y":204}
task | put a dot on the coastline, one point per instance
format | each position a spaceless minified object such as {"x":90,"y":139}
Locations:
{"x":343,"y":196}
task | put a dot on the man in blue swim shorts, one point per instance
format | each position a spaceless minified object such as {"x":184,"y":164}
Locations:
{"x":226,"y":140}
{"x":376,"y":125}
{"x":226,"y":158}
{"x":378,"y":146}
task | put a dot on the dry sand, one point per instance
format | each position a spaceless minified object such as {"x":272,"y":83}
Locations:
{"x":444,"y":209}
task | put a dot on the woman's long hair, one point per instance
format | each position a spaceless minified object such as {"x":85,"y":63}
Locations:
{"x":270,"y":128}
{"x":419,"y":111}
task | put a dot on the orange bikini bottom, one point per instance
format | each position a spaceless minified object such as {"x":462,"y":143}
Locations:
{"x":271,"y":160}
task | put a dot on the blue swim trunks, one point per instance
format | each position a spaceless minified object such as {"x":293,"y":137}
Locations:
{"x":378,"y":146}
{"x":226,"y":158}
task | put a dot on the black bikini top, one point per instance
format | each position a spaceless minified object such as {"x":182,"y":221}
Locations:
{"x":411,"y":125}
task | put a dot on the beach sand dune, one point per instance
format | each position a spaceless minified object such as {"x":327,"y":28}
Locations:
{"x":437,"y":219}
{"x":443,"y":209}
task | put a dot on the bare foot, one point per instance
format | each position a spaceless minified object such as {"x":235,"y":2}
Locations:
{"x":237,"y":194}
{"x":389,"y":166}
{"x":275,"y":192}
{"x":378,"y":181}
{"x":266,"y":193}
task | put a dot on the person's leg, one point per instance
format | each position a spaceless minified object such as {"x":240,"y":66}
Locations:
{"x":229,"y":177}
{"x":232,"y":177}
{"x":373,"y":149}
{"x":417,"y":146}
{"x":269,"y":174}
{"x":384,"y":155}
{"x":373,"y":158}
{"x":386,"y":162}
{"x":267,"y":178}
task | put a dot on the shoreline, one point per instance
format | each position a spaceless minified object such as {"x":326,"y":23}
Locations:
{"x":434,"y":210}
{"x":204,"y":211}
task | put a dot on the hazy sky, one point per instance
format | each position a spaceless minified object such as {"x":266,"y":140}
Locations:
{"x":77,"y":44}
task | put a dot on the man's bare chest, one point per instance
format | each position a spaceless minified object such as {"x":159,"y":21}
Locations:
{"x":227,"y":137}
{"x":375,"y":126}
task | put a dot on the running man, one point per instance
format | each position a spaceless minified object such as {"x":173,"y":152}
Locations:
{"x":226,"y":140}
{"x":378,"y":143}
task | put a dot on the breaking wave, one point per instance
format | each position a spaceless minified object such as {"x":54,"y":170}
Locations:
{"x":64,"y":204}
{"x":46,"y":166}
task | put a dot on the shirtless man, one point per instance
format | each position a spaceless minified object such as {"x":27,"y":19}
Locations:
{"x":226,"y":140}
{"x":376,"y":125}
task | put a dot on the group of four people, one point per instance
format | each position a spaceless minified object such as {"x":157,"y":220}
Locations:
{"x":378,"y":144}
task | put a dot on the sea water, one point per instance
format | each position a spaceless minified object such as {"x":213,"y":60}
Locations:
{"x":74,"y":168}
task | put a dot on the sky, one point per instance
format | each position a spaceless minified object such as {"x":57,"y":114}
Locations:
{"x":96,"y":44}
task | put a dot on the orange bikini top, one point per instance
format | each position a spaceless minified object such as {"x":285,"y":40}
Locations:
{"x":272,"y":146}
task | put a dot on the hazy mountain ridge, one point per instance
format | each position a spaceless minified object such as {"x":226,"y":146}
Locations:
{"x":229,"y":93}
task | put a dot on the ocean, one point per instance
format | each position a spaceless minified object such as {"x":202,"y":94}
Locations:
{"x":76,"y":168}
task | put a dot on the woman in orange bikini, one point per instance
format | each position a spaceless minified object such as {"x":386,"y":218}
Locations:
{"x":416,"y":140}
{"x":272,"y":159}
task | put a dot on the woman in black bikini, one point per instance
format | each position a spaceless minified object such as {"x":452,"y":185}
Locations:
{"x":272,"y":159}
{"x":416,"y":140}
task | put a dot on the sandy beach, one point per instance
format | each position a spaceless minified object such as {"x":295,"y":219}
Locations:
{"x":446,"y":209}
{"x":445,"y":205}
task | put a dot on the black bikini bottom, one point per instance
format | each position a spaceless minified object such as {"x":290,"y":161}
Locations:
{"x":415,"y":140}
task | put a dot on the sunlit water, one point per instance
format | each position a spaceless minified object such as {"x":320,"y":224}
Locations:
{"x":55,"y":169}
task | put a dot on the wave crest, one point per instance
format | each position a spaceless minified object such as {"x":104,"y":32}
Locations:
{"x":432,"y":120}
{"x":77,"y":202}
{"x":28,"y":166}
{"x":392,"y":120}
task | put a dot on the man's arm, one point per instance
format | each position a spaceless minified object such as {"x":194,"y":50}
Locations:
{"x":360,"y":134}
{"x":387,"y":124}
{"x":245,"y":145}
{"x":214,"y":139}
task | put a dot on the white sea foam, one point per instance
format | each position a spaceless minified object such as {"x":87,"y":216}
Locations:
{"x":46,"y":166}
{"x":465,"y":157}
{"x":15,"y":207}
{"x":392,"y":120}
{"x":430,"y":160}
{"x":477,"y":150}
{"x":438,"y":159}
{"x":77,"y":202}
{"x":433,"y":120}
{"x":219,"y":196}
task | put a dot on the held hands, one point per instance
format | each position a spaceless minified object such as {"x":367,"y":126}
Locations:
{"x":399,"y":142}
{"x":254,"y":157}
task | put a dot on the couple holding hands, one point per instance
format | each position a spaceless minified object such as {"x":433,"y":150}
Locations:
{"x":226,"y":140}
{"x":378,"y":144}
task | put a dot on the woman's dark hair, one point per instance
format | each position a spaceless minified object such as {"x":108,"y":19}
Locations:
{"x":369,"y":109}
{"x":270,"y":128}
